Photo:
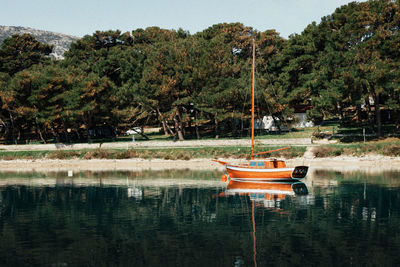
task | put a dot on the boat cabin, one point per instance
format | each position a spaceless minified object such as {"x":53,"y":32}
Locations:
{"x":273,"y":163}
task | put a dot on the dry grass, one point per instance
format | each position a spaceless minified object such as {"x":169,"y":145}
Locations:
{"x":99,"y":154}
{"x":391,"y":150}
{"x":127,"y":154}
{"x":63,"y":154}
{"x":386,"y":147}
{"x":326,"y":151}
{"x":386,"y":140}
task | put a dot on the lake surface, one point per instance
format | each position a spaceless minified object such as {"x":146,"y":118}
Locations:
{"x":190,"y":218}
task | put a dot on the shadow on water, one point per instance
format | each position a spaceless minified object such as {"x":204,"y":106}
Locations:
{"x":189,"y":218}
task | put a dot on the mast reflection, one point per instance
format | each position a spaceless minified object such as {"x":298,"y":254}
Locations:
{"x":268,"y":193}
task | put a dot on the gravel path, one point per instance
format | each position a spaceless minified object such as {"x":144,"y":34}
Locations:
{"x":161,"y":144}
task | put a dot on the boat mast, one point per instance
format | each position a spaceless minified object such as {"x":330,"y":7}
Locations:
{"x":252,"y":106}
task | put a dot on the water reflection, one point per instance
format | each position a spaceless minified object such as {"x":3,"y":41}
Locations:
{"x":268,"y":194}
{"x":191,"y":219}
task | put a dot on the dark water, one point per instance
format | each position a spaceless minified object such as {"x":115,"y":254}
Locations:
{"x":183,"y":218}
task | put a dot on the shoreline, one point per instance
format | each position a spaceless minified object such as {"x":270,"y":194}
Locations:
{"x":342,"y":163}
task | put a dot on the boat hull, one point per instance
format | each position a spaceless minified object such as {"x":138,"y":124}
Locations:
{"x":260,"y":174}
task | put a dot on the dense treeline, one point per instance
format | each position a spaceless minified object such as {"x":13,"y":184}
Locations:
{"x":347,"y":66}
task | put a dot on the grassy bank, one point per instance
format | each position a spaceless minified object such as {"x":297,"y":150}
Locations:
{"x":167,"y":153}
{"x":386,"y":147}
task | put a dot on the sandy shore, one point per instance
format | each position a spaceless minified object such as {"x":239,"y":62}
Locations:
{"x":367,"y":163}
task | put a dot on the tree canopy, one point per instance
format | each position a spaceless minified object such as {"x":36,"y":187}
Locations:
{"x":345,"y":66}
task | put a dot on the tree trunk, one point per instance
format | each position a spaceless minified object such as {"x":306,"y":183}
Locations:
{"x":233,"y":124}
{"x":14,"y":140}
{"x":89,"y":140}
{"x":241,"y":125}
{"x":19,"y":134}
{"x":180,"y":121}
{"x":369,"y":111}
{"x":378,"y":115}
{"x":164,"y":128}
{"x":87,"y":126}
{"x":143,"y":135}
{"x":340,"y":112}
{"x":216,"y":126}
{"x":163,"y":122}
{"x":6,"y":129}
{"x":77,"y":134}
{"x":359,"y":114}
{"x":66,"y":132}
{"x":170,"y":130}
{"x":190,"y":126}
{"x":40,"y":133}
{"x":196,"y":124}
{"x":177,"y":128}
{"x":55,"y":134}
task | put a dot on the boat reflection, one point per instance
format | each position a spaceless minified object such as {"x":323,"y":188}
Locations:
{"x":266,"y":190}
{"x":268,"y":193}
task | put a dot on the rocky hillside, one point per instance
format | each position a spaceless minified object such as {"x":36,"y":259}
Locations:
{"x":61,"y":42}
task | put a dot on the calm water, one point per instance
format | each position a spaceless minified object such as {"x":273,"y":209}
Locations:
{"x":183,"y":218}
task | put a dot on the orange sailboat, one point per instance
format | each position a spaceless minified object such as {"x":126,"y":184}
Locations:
{"x":266,"y":169}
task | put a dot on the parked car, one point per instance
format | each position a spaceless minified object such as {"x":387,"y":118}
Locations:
{"x":134,"y":130}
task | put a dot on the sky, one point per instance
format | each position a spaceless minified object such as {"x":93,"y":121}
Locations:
{"x":81,"y":17}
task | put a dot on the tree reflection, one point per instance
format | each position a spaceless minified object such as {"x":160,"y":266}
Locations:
{"x":351,"y":223}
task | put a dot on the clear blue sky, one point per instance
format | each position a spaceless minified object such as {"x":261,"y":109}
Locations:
{"x":80,"y":17}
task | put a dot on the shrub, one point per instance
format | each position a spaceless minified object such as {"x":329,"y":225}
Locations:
{"x":62,"y":154}
{"x":104,"y":154}
{"x":182,"y":155}
{"x":99,"y":154}
{"x":326,"y":151}
{"x":8,"y":157}
{"x":127,"y":154}
{"x":147,"y":155}
{"x":88,"y":155}
{"x":226,"y":155}
{"x":319,"y":135}
{"x":391,"y":150}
